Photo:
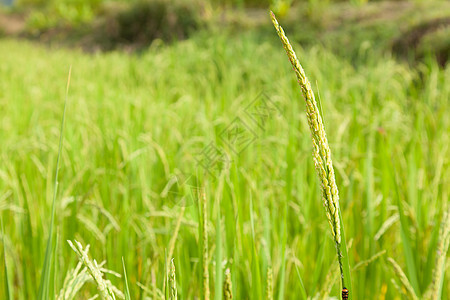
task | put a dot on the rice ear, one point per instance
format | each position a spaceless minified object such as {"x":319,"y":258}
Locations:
{"x":227,"y":286}
{"x":322,"y":158}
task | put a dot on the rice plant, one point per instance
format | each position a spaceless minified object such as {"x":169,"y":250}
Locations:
{"x":105,"y":288}
{"x":227,"y":286}
{"x":139,"y":130}
{"x":322,"y":159}
{"x":172,"y":282}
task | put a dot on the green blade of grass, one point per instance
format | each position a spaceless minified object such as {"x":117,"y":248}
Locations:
{"x":125,"y":279}
{"x":166,"y":276}
{"x":430,"y":262}
{"x":318,"y":267}
{"x":45,"y":275}
{"x":7,"y":287}
{"x":441,"y":249}
{"x":283,"y":255}
{"x":407,"y":249}
{"x":347,"y":280}
{"x":219,"y":274}
{"x":55,"y":268}
{"x":256,"y":275}
{"x":203,"y":230}
{"x":218,"y":281}
{"x":302,"y":286}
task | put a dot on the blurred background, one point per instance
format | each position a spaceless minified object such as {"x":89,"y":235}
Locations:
{"x":407,"y":28}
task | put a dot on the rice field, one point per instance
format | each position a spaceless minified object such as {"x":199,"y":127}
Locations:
{"x":200,"y":151}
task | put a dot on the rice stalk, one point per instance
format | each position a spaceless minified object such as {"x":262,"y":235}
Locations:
{"x":321,"y":151}
{"x":227,"y":286}
{"x":403,"y":279}
{"x":44,"y":285}
{"x":397,"y":287}
{"x":321,"y":156}
{"x":366,"y":262}
{"x":172,"y":282}
{"x":152,"y":290}
{"x":74,"y":281}
{"x":7,"y":289}
{"x":269,"y":288}
{"x":105,"y":289}
{"x":386,"y":225}
{"x":175,"y":234}
{"x":330,"y":280}
{"x":155,"y":290}
{"x":218,"y":286}
{"x":435,"y":289}
{"x":206,"y":292}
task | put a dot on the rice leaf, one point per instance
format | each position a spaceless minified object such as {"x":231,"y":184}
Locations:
{"x":302,"y":286}
{"x":219,"y":243}
{"x":45,"y":275}
{"x":256,"y":276}
{"x":5,"y":269}
{"x":218,"y":279}
{"x":406,"y":242}
{"x":125,"y":279}
{"x":283,"y":255}
{"x":347,"y":280}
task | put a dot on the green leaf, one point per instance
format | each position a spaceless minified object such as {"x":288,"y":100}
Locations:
{"x":46,"y":268}
{"x":256,"y":274}
{"x":218,"y":281}
{"x":302,"y":286}
{"x":283,"y":255}
{"x":125,"y":279}
{"x":7,"y":287}
{"x":407,"y":249}
{"x":347,"y":280}
{"x":431,"y":257}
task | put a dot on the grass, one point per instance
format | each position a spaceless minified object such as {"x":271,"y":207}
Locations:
{"x":7,"y":287}
{"x":136,"y":122}
{"x":127,"y":289}
{"x":44,"y":286}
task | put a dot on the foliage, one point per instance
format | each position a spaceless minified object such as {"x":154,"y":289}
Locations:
{"x":60,"y":13}
{"x":146,"y":21}
{"x":137,"y":125}
{"x":385,"y":27}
